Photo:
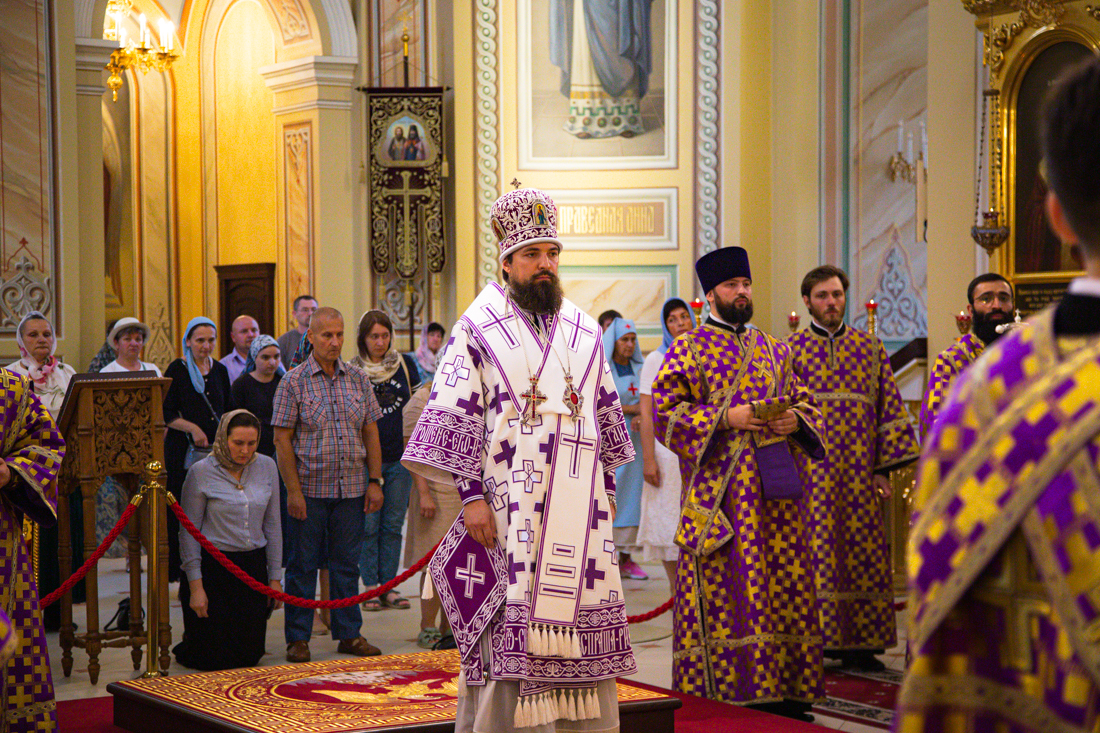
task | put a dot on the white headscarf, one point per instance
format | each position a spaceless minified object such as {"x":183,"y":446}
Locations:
{"x":38,"y":372}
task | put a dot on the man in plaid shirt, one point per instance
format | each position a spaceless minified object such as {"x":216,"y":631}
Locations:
{"x":327,"y":442}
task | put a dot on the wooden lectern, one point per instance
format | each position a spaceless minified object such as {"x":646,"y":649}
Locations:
{"x":113,"y":425}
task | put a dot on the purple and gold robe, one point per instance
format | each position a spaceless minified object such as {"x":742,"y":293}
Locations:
{"x":866,"y":432}
{"x":745,"y":628}
{"x":1004,"y":560}
{"x":33,"y":448}
{"x":951,"y":362}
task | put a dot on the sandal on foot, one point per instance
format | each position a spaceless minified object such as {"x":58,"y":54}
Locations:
{"x":394,"y":599}
{"x":372,"y":604}
{"x":428,"y":637}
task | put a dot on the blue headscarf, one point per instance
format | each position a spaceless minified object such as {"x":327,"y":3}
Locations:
{"x":619,"y":328}
{"x":193,"y":368}
{"x":260,"y":343}
{"x":670,"y":305}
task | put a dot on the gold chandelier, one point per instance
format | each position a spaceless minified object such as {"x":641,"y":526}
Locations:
{"x":139,"y":53}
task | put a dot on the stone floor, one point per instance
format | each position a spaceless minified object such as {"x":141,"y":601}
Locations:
{"x":394,"y":631}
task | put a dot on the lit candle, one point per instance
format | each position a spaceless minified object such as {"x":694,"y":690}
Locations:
{"x":121,"y":37}
{"x":871,"y":304}
{"x":166,"y":32}
{"x":901,"y":135}
{"x":909,"y":147}
{"x":143,"y":36}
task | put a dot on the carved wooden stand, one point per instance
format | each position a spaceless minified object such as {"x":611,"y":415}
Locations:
{"x":113,"y":426}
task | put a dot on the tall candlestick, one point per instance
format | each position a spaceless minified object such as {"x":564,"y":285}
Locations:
{"x":121,"y":37}
{"x":143,"y":35}
{"x":909,"y":148}
{"x":924,"y":142}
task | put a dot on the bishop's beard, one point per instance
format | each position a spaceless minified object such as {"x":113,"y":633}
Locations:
{"x":732,"y":313}
{"x":985,"y":325}
{"x":538,"y":296}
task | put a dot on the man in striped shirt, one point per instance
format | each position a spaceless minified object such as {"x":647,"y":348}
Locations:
{"x":331,"y":462}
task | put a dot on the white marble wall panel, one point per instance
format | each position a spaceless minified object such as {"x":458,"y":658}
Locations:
{"x":886,"y":259}
{"x":638,"y":293}
{"x":27,"y":260}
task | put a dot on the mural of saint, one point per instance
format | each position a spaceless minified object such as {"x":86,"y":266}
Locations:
{"x":604,"y":51}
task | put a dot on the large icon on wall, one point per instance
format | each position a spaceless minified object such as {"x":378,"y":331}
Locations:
{"x":597,"y":84}
{"x":1036,"y":249}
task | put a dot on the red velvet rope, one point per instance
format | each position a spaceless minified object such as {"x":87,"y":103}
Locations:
{"x":79,"y":574}
{"x":341,"y":602}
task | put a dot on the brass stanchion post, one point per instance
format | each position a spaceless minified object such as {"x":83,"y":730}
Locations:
{"x":155,"y":525}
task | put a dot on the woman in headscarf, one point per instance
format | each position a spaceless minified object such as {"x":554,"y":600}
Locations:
{"x":395,"y":379}
{"x":430,"y":349}
{"x":194,"y":404}
{"x":232,"y":496}
{"x":661,"y":491}
{"x":254,"y":391}
{"x":620,"y":347}
{"x":49,"y":376}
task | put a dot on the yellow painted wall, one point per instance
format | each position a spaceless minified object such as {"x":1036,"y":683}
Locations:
{"x":247,"y":192}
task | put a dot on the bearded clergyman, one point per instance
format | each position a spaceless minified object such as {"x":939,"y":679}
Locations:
{"x":525,"y":422}
{"x":991,"y":305}
{"x":729,"y":404}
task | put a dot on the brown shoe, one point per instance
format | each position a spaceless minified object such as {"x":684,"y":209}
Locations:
{"x":358,"y":646}
{"x":297,"y":651}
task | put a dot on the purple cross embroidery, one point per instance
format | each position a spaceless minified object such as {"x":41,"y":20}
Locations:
{"x":469,"y":575}
{"x":527,"y":429}
{"x":514,"y":568}
{"x":606,"y":398}
{"x":609,"y":548}
{"x":528,"y":475}
{"x":597,"y":514}
{"x":454,"y":371}
{"x":577,"y":444}
{"x":539,"y":507}
{"x":525,"y":535}
{"x":507,"y":451}
{"x":513,"y":507}
{"x":591,"y":574}
{"x":472,"y":404}
{"x":578,"y":329}
{"x":547,"y":448}
{"x":499,"y":321}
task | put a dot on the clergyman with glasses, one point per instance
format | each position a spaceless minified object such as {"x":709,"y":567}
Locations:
{"x":991,"y":305}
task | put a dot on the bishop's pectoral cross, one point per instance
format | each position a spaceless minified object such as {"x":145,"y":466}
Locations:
{"x":534,"y":399}
{"x":407,"y":246}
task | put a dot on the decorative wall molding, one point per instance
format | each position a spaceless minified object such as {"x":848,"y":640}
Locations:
{"x":298,"y":201}
{"x":708,"y":125}
{"x":292,"y":20}
{"x":312,"y":105}
{"x":488,"y":161}
{"x":311,"y":71}
{"x":27,"y":290}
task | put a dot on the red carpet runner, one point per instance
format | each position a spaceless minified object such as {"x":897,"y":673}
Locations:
{"x":868,"y":698}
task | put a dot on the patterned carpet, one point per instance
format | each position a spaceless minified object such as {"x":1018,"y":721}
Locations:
{"x":863,"y":697}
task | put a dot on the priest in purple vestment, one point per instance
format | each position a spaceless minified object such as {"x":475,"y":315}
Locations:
{"x":1004,"y":575}
{"x":728,"y":403}
{"x":991,"y":305}
{"x":867,"y":434}
{"x":524,"y":421}
{"x":31,"y":449}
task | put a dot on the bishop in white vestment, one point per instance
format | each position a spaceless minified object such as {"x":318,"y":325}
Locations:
{"x":525,"y":422}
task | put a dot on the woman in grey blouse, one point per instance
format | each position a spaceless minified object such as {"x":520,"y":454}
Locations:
{"x":232,"y":496}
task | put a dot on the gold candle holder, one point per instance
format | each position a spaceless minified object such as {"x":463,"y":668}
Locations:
{"x":697,"y":306}
{"x":962,"y":322}
{"x":793,"y":321}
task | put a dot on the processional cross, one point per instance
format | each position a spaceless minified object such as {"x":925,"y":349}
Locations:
{"x":408,"y":243}
{"x":534,"y":398}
